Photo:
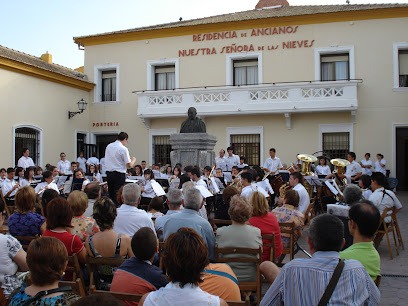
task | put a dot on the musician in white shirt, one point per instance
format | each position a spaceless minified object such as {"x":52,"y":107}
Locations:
{"x":379,"y":165}
{"x":231,"y":159}
{"x":221,"y":161}
{"x":273,"y":163}
{"x":92,"y":161}
{"x":249,"y":187}
{"x":47,"y":184}
{"x":9,"y":186}
{"x":25,"y":161}
{"x":353,"y":171}
{"x":367,"y":164}
{"x":322,"y":168}
{"x":81,"y":160}
{"x":295,"y":180}
{"x":147,"y":190}
{"x":3,"y":175}
{"x":63,"y":165}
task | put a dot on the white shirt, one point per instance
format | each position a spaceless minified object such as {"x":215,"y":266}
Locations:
{"x":7,"y":185}
{"x":93,"y":161}
{"x":384,"y":199}
{"x":366,"y":193}
{"x":248,"y":190}
{"x":117,"y":157}
{"x":25,"y":162}
{"x":89,"y":210}
{"x":102,"y":167}
{"x":64,"y":166}
{"x":273,"y":164}
{"x":201,"y":182}
{"x":232,"y":161}
{"x":221,"y":162}
{"x":323,"y":170}
{"x":365,"y":162}
{"x":353,"y":169}
{"x":304,"y":199}
{"x":148,"y":190}
{"x":82,"y":161}
{"x":130,"y":219}
{"x":45,"y":185}
{"x":378,"y":168}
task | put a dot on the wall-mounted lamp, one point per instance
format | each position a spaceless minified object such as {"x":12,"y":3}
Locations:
{"x":81,"y":106}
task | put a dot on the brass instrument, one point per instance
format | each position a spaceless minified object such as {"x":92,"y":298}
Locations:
{"x":236,"y":182}
{"x":307,"y":161}
{"x":266,"y":175}
{"x":340,"y":168}
{"x":282,"y":190}
{"x":292,"y":168}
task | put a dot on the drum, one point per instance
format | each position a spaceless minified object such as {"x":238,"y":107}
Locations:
{"x":276,"y":182}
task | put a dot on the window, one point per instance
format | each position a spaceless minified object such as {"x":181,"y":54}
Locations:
{"x":246,"y":72}
{"x":334,"y":67}
{"x":161,"y":149}
{"x":81,"y":143}
{"x":107,"y":83}
{"x":403,"y":68}
{"x":26,"y":137}
{"x":336,"y":145}
{"x":165,"y":78}
{"x":247,"y":145}
{"x":334,"y":63}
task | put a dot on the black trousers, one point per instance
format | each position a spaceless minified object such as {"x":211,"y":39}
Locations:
{"x":115,"y":181}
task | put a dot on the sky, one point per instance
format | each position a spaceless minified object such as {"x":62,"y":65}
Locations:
{"x":35,"y":27}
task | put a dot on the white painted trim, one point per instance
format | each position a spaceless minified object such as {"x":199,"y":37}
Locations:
{"x":98,"y":82}
{"x":150,"y":68}
{"x":393,"y":170}
{"x":333,"y":50}
{"x":246,"y":130}
{"x":41,"y":140}
{"x":158,"y":132}
{"x":241,"y":56}
{"x":336,"y":128}
{"x":396,"y":47}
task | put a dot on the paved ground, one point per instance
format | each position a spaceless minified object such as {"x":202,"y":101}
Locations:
{"x":394,"y":282}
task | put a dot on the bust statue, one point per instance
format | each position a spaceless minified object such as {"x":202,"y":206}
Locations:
{"x":193,"y":124}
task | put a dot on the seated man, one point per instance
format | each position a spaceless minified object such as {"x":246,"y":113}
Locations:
{"x":188,"y":217}
{"x":295,"y":181}
{"x":9,"y":186}
{"x":174,"y":200}
{"x":137,"y":275}
{"x":93,"y":191}
{"x":364,"y":220}
{"x":354,"y":287}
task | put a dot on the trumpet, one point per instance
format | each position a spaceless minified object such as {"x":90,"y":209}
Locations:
{"x":266,"y":175}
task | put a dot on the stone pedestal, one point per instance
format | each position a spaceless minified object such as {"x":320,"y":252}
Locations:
{"x":192,"y":149}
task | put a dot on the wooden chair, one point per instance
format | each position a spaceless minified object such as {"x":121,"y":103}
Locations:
{"x":4,"y":229}
{"x":310,"y":212}
{"x":9,"y":208}
{"x":385,"y":228}
{"x":397,"y":228}
{"x":162,"y":245}
{"x":244,"y":255}
{"x":239,"y":303}
{"x":93,"y":264}
{"x":25,"y":240}
{"x":3,"y":299}
{"x":269,"y":241}
{"x":288,"y":228}
{"x":377,"y":280}
{"x":74,"y":269}
{"x":128,"y":297}
{"x":76,"y":286}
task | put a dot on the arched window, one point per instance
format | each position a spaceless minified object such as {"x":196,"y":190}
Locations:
{"x":27,"y":137}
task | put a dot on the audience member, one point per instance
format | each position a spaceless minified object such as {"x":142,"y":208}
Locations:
{"x":47,"y":260}
{"x":185,"y":258}
{"x":221,"y":212}
{"x":174,"y":201}
{"x":47,"y":196}
{"x":93,"y":191}
{"x":156,"y":207}
{"x":364,"y":220}
{"x":293,"y":285}
{"x":137,"y":275}
{"x":295,"y":181}
{"x":81,"y":226}
{"x":25,"y":221}
{"x":202,"y":212}
{"x":365,"y":184}
{"x":240,"y":234}
{"x":130,"y":218}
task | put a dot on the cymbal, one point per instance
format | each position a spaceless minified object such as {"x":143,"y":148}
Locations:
{"x":307,"y":158}
{"x":339,"y":162}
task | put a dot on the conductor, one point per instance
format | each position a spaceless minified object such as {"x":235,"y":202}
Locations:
{"x":117,"y":161}
{"x":193,"y":124}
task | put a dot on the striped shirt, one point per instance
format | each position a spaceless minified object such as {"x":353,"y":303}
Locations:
{"x":303,"y":282}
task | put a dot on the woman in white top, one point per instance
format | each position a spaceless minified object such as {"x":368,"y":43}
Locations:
{"x":81,"y":160}
{"x":28,"y":177}
{"x":93,"y":171}
{"x":379,"y":165}
{"x":147,"y":190}
{"x":365,"y":184}
{"x":367,"y":164}
{"x":185,"y":258}
{"x":322,"y":168}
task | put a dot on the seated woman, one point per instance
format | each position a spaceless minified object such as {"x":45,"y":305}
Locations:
{"x":25,"y":221}
{"x":93,"y":171}
{"x":59,"y":217}
{"x":12,"y":260}
{"x":47,"y":259}
{"x":185,"y":258}
{"x":82,"y":226}
{"x":106,"y":243}
{"x":266,"y":222}
{"x":221,"y":211}
{"x":241,"y":235}
{"x":138,"y":170}
{"x":156,"y":206}
{"x":28,"y":177}
{"x":365,"y":184}
{"x":288,"y":212}
{"x":79,"y":181}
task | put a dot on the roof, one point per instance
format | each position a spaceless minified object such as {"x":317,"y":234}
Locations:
{"x":37,"y":62}
{"x":266,"y":13}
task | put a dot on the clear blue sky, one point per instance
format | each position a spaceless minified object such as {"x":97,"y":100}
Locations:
{"x":37,"y":26}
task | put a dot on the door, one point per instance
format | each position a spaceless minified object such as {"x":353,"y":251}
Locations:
{"x":102,"y":142}
{"x":401,"y":158}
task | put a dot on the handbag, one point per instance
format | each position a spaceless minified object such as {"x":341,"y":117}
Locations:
{"x":332,"y":284}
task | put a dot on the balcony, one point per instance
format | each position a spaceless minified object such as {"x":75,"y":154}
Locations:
{"x":282,"y":98}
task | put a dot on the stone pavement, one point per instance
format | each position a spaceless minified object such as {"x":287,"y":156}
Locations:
{"x":394,"y":281}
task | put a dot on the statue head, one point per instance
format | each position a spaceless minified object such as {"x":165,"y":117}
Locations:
{"x":192,"y":113}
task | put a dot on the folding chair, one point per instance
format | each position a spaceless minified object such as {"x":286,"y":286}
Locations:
{"x":8,"y":208}
{"x":397,"y":228}
{"x":269,"y":241}
{"x":289,"y":229}
{"x":239,"y":303}
{"x":377,"y":280}
{"x":3,"y":299}
{"x":74,"y":269}
{"x":128,"y":297}
{"x":385,"y":228}
{"x":94,"y":263}
{"x":25,"y":240}
{"x":243,"y":255}
{"x":76,"y":286}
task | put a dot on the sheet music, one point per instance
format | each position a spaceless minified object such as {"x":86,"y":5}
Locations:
{"x":131,"y":181}
{"x":204,"y":191}
{"x":331,"y":187}
{"x":157,"y":188}
{"x":313,"y":180}
{"x":61,"y":180}
{"x":227,"y":177}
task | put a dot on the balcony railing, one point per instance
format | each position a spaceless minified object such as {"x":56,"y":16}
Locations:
{"x":284,"y":98}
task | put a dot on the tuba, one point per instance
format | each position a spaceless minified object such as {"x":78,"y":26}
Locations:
{"x":340,"y":168}
{"x":307,"y":161}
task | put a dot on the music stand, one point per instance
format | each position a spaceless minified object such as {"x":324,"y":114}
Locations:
{"x":163,"y":182}
{"x":313,"y":180}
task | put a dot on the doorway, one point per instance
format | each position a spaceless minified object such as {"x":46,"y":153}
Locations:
{"x":102,"y":142}
{"x":401,"y":158}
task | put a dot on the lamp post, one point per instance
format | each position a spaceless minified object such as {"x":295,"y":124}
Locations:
{"x":81,"y":106}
